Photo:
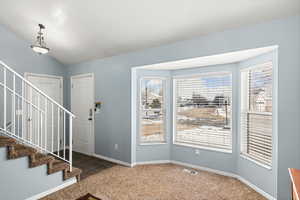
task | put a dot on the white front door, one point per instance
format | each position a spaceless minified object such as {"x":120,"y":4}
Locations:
{"x":82,"y":105}
{"x":51,"y":139}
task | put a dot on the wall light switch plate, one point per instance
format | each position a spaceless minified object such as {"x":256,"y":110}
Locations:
{"x":197,"y":151}
{"x":116,"y":146}
{"x":18,"y":112}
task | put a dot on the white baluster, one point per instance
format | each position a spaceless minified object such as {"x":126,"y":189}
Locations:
{"x":58,"y":127}
{"x":38,"y":119}
{"x":13,"y":125}
{"x":52,"y":140}
{"x":18,"y":117}
{"x":24,"y":131}
{"x":31,"y":117}
{"x":46,"y":110}
{"x":70,"y":141}
{"x":64,"y":134}
{"x":4,"y":100}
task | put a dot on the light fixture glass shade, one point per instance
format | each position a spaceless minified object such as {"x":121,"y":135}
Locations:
{"x":40,"y":49}
{"x":40,"y":45}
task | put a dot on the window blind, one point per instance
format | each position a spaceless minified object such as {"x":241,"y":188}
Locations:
{"x":256,"y":113}
{"x":203,"y":110}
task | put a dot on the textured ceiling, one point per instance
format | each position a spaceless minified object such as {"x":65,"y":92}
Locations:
{"x":82,"y":30}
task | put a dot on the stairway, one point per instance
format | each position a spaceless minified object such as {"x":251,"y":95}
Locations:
{"x":16,"y":150}
{"x":33,"y":127}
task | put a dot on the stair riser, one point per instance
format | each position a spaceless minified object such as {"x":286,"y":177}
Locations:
{"x":53,"y":169}
{"x":15,"y":155}
{"x":15,"y":151}
{"x":39,"y":162}
{"x":6,"y":144}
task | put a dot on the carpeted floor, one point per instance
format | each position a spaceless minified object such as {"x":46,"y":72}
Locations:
{"x":157,"y":182}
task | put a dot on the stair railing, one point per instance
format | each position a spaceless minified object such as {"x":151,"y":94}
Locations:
{"x":35,"y":118}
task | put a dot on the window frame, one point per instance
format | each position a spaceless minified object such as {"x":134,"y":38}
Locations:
{"x":274,"y":86}
{"x":174,"y":110}
{"x":139,"y":119}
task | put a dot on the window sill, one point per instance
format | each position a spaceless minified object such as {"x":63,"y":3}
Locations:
{"x":255,"y":162}
{"x":152,"y":143}
{"x":202,"y":147}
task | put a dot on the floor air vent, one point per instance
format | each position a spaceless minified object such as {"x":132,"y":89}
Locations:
{"x":190,"y":171}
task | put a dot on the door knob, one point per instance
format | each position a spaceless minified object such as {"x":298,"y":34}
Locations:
{"x":90,"y":115}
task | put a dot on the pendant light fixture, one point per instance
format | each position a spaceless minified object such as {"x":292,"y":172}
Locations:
{"x":40,"y":45}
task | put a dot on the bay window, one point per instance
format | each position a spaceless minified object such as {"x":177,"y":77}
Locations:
{"x":152,"y":110}
{"x":256,"y":113}
{"x":202,"y":110}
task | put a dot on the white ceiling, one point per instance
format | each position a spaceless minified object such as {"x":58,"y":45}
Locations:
{"x":219,"y":59}
{"x":80,"y":30}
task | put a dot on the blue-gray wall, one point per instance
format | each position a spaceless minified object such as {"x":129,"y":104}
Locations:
{"x":113,"y":86}
{"x":18,"y":182}
{"x":209,"y":158}
{"x":157,"y":152}
{"x":16,"y":53}
{"x":262,"y":177}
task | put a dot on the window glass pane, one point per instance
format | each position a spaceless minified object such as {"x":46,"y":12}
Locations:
{"x":152,"y":112}
{"x":203,"y":110}
{"x":260,"y":90}
{"x":256,"y":115}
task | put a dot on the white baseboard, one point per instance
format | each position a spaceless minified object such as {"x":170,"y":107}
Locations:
{"x":233,"y":175}
{"x":43,"y":194}
{"x":154,"y":162}
{"x":257,"y":189}
{"x":113,"y":160}
{"x":205,"y":169}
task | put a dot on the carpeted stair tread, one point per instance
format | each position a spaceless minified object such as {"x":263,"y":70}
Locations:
{"x":38,"y":159}
{"x":15,"y":150}
{"x":74,"y":173}
{"x":57,"y":165}
{"x":19,"y":150}
{"x":6,"y":141}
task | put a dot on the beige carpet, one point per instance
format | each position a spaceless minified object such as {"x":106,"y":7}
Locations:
{"x":157,"y":182}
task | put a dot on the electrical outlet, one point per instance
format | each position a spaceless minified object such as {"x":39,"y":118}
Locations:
{"x":116,"y":146}
{"x":197,"y":151}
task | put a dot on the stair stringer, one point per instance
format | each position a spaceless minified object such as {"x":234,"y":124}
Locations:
{"x":18,"y":181}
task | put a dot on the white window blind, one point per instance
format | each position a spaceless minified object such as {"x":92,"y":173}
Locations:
{"x":152,"y":110}
{"x":256,"y":113}
{"x":202,"y":113}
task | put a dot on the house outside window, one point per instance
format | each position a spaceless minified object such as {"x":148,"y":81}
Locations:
{"x":152,"y":110}
{"x":256,"y":113}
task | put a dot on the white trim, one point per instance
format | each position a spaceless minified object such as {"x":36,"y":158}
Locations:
{"x":60,"y":78}
{"x":208,"y":60}
{"x":229,"y":174}
{"x":248,"y":157}
{"x":113,"y":160}
{"x":28,"y":91}
{"x":153,"y":162}
{"x":254,"y":187}
{"x":195,"y":146}
{"x":164,"y":80}
{"x":223,"y":173}
{"x":174,"y":111}
{"x":154,"y":143}
{"x":52,"y":190}
{"x":92,"y":152}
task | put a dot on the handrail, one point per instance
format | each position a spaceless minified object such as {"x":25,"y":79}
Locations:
{"x":30,"y":124}
{"x":34,"y":87}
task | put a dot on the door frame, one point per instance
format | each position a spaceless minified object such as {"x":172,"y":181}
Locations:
{"x":61,"y":80}
{"x":92,"y":139}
